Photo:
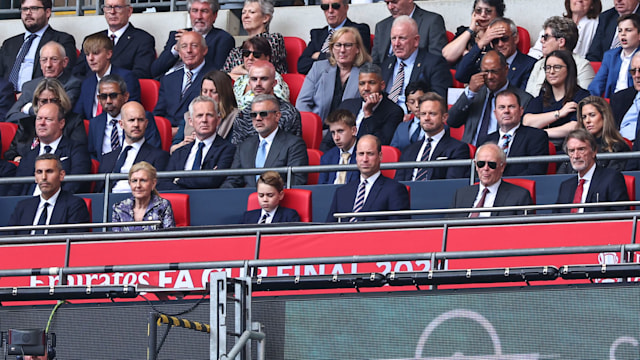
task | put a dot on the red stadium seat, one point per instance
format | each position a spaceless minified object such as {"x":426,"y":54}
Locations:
{"x":472,"y":151}
{"x":164,"y":128}
{"x":295,"y":84}
{"x":314,"y":159}
{"x":390,"y":154}
{"x":95,"y":165}
{"x":149,"y":91}
{"x":551,"y":169}
{"x":294,"y":47}
{"x":450,"y":36}
{"x":456,"y":84}
{"x":7,"y":132}
{"x":181,"y":208}
{"x":371,"y":37}
{"x":524,"y":40}
{"x":524,"y":183}
{"x":456,"y":133}
{"x":595,"y":65}
{"x":87,"y":201}
{"x":630,"y":181}
{"x":297,"y":199}
{"x":86,"y":126}
{"x":311,"y":129}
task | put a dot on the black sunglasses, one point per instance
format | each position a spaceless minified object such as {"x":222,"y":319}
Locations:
{"x":112,"y":96}
{"x":334,"y":6}
{"x":256,"y":54}
{"x":254,"y":114}
{"x":504,"y":39}
{"x":492,"y":164}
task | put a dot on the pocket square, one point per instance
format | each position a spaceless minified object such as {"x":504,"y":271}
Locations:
{"x":442,"y":158}
{"x":64,"y":158}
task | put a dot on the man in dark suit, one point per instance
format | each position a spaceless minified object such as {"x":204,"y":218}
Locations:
{"x":375,"y":113}
{"x":437,"y":144}
{"x":105,"y":131}
{"x":272,"y":147}
{"x":52,"y":69}
{"x":594,"y":183}
{"x":270,"y":191}
{"x":207,"y":152}
{"x":505,"y":40}
{"x":516,"y":139}
{"x":433,"y":34}
{"x":624,"y":104}
{"x":52,"y":205}
{"x":35,"y":18}
{"x":606,"y":32}
{"x":343,"y":130}
{"x":372,"y":191}
{"x":335,"y":11}
{"x":492,"y":191}
{"x":98,"y":50}
{"x":73,"y":155}
{"x":134,"y":149}
{"x":133,"y":49}
{"x":180,"y":87}
{"x":203,"y":14}
{"x":423,"y":66}
{"x":474,"y":108}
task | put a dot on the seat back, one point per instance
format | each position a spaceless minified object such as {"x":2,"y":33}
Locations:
{"x":295,"y":84}
{"x":456,"y":133}
{"x":595,"y":65}
{"x":390,"y":154}
{"x":294,"y":47}
{"x":630,"y":181}
{"x":524,"y":40}
{"x":8,"y":132}
{"x":87,"y":201}
{"x":472,"y":151}
{"x":314,"y":159}
{"x":551,"y":168}
{"x":149,"y":92}
{"x":450,"y":36}
{"x":456,"y":84}
{"x":530,"y":185}
{"x":181,"y":208}
{"x":86,"y":126}
{"x":311,"y":129}
{"x":164,"y":128}
{"x":297,"y":199}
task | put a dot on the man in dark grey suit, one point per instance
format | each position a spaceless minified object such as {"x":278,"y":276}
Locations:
{"x":492,"y":191}
{"x":433,"y":34}
{"x":271,"y":147}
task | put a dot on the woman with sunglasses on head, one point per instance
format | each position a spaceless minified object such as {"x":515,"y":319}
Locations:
{"x":554,"y":110}
{"x":256,"y":17}
{"x":484,"y":11}
{"x":331,"y":81}
{"x":48,"y":90}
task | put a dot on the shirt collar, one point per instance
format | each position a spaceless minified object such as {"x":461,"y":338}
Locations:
{"x":371,"y":179}
{"x":339,"y":26}
{"x":493,"y":189}
{"x":196,"y":70}
{"x":39,"y":32}
{"x":589,"y":173}
{"x":52,"y":200}
{"x":435,"y":137}
{"x":208,"y":141}
{"x":510,"y":132}
{"x":118,"y":33}
{"x":269,"y":137}
{"x":53,"y":144}
{"x":136,"y":145}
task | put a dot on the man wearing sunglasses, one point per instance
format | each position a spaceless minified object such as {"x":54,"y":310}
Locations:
{"x":625,"y":105}
{"x":335,"y":11}
{"x":490,"y":163}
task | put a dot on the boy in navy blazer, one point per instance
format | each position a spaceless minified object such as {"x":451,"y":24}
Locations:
{"x":270,"y":194}
{"x":343,"y":130}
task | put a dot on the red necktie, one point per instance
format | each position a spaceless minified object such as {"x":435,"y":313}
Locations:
{"x":480,"y":203}
{"x":577,"y":198}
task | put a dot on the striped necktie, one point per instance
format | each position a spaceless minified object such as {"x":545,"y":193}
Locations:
{"x":398,"y":82}
{"x":359,"y":203}
{"x":14,"y":75}
{"x":423,"y":172}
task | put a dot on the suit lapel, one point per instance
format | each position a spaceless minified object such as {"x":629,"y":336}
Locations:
{"x":593,"y":186}
{"x":373,"y":193}
{"x":57,"y":216}
{"x":274,"y":151}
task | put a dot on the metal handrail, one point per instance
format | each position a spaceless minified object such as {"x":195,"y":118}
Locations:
{"x":79,"y":225}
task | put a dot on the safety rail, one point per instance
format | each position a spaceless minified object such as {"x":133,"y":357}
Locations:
{"x":80,"y":226}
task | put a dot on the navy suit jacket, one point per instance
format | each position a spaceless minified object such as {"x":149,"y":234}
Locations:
{"x":75,"y":161}
{"x":448,"y":148}
{"x":508,"y":195}
{"x":171,"y":104}
{"x":607,"y":23}
{"x":431,"y":69}
{"x":519,"y":70}
{"x":154,"y":156}
{"x":219,"y":43}
{"x":219,"y":156}
{"x":69,"y":209}
{"x":318,"y":37}
{"x":282,"y":215}
{"x":528,"y":141}
{"x":84,"y":105}
{"x":332,"y":157}
{"x":606,"y":185}
{"x":134,"y":51}
{"x":621,"y":102}
{"x":12,"y":45}
{"x":7,"y":97}
{"x":385,"y":195}
{"x":98,"y":124}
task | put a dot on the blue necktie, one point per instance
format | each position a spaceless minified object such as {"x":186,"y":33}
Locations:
{"x":261,"y":155}
{"x":197,"y":162}
{"x":15,"y":70}
{"x":121,"y":159}
{"x":416,"y":134}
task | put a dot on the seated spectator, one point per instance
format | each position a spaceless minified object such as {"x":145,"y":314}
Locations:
{"x":476,"y":34}
{"x":47,"y":91}
{"x":554,"y":110}
{"x":334,"y":80}
{"x":254,"y":49}
{"x":516,"y":139}
{"x":559,"y":34}
{"x":613,"y":75}
{"x":594,"y":183}
{"x":624,"y":104}
{"x":594,"y":115}
{"x":98,"y":50}
{"x":437,"y":144}
{"x":203,"y":14}
{"x":606,"y":32}
{"x":272,"y":147}
{"x":256,"y":17}
{"x":343,"y":130}
{"x":7,"y":98}
{"x":262,"y":81}
{"x":270,"y":190}
{"x":409,"y":130}
{"x":145,"y":204}
{"x":7,"y":170}
{"x":584,"y":14}
{"x":335,"y":11}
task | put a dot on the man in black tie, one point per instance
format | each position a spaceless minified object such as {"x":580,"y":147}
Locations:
{"x":53,"y":205}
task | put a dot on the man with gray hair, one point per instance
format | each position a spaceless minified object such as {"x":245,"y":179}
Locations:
{"x":203,"y":14}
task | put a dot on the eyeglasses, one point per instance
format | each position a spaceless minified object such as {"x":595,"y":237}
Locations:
{"x":117,"y":8}
{"x":580,"y":150}
{"x":546,"y":37}
{"x":256,"y":54}
{"x":555,"y":68}
{"x":32,"y":9}
{"x":633,"y":71}
{"x":346,"y":46}
{"x":491,"y":72}
{"x":480,"y":10}
{"x":254,"y":114}
{"x":112,"y":96}
{"x":43,"y":101}
{"x":492,"y":164}
{"x":334,"y":6}
{"x":53,"y":59}
{"x":504,"y":39}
